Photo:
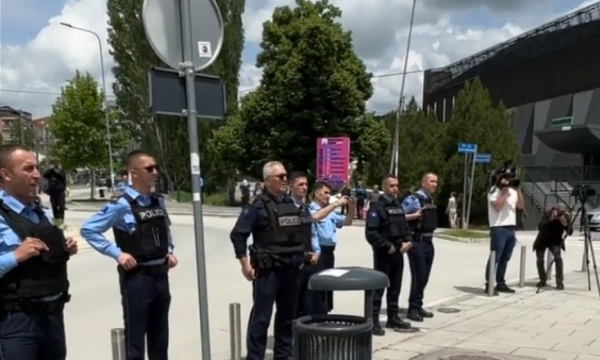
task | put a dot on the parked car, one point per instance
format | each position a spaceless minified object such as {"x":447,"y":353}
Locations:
{"x":593,"y":219}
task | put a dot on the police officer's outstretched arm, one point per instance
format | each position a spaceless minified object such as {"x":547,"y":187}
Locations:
{"x":239,"y":237}
{"x":94,"y":228}
{"x":373,"y":227}
{"x":412,"y":208}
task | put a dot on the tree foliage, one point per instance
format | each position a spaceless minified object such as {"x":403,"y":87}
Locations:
{"x":167,"y":137}
{"x":78,"y":125}
{"x":313,"y":85}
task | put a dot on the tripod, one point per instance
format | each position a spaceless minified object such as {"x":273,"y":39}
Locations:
{"x":588,"y":248}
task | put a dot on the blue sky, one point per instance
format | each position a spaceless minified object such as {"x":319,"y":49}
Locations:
{"x":21,"y":20}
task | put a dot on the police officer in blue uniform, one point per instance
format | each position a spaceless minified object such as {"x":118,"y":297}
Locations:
{"x":386,"y":230}
{"x":34,"y":286}
{"x":421,"y":213}
{"x":144,"y":253}
{"x":281,"y":242}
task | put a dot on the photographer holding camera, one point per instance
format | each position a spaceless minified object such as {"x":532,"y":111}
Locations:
{"x":552,"y":228}
{"x":504,"y":198}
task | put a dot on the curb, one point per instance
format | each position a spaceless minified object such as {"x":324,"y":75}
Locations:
{"x":462,"y":240}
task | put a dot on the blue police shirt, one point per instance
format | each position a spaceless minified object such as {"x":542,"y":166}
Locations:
{"x":9,"y":240}
{"x":411,"y":204}
{"x":326,"y":230}
{"x":121,"y":186}
{"x":314,"y":240}
{"x":117,"y":214}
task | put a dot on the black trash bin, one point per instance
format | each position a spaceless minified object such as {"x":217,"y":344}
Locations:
{"x":101,"y":192}
{"x":333,"y":337}
{"x":339,"y":337}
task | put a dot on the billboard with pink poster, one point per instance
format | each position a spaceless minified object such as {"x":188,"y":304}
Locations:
{"x":333,"y":160}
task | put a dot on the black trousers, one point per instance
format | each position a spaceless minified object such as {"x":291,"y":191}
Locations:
{"x":146,"y":299}
{"x":360,"y":204}
{"x":393,"y":266}
{"x":25,"y":336}
{"x":316,"y":302}
{"x":57,"y":201}
{"x":556,"y":251}
{"x":420,"y":258}
{"x":280,"y":287}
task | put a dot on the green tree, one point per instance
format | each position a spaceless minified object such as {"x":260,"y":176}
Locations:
{"x":78,"y":125}
{"x":475,"y":119}
{"x":167,"y":137}
{"x":21,"y":133}
{"x":313,"y":85}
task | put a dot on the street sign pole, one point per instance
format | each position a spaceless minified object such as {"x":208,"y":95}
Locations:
{"x":464,"y":200}
{"x":468,"y":213}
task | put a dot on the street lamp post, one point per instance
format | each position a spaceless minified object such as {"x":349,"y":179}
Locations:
{"x":106,"y":114}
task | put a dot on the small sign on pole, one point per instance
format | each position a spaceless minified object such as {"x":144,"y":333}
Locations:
{"x":483,"y":158}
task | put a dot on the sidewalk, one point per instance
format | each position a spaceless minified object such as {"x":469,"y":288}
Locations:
{"x":549,"y":325}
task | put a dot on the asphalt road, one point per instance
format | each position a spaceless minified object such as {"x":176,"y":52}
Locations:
{"x":95,"y":307}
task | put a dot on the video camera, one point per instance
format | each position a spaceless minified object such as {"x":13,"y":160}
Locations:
{"x":508,"y":172}
{"x":582,"y":192}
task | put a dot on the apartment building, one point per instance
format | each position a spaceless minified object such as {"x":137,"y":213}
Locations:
{"x":9,"y":116}
{"x":42,"y":133}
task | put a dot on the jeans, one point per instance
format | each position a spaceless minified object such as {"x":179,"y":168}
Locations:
{"x":502,"y":241}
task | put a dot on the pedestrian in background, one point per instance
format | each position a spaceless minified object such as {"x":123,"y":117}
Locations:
{"x":451,"y":210}
{"x":361,"y":197}
{"x":57,"y":186}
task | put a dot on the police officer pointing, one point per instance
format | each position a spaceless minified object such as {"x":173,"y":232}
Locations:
{"x":144,"y":253}
{"x":282,"y":240}
{"x":33,"y":265}
{"x":421,"y":214}
{"x":387,"y":232}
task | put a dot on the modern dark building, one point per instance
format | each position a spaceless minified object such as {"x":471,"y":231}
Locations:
{"x":549,"y":77}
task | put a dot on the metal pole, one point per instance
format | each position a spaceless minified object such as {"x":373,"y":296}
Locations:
{"x":235,"y":331}
{"x":471,"y":186}
{"x":191,"y":112}
{"x":464,"y":202}
{"x":402,"y":86}
{"x":117,"y":338}
{"x":491,"y":279}
{"x":522,"y":266}
{"x":549,"y":258}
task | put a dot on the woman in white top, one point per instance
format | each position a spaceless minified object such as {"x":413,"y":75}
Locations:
{"x":451,"y":210}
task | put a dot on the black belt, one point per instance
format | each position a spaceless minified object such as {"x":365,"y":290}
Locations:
{"x":37,"y":307}
{"x":507,"y":227}
{"x":327,"y":249}
{"x":152,"y":270}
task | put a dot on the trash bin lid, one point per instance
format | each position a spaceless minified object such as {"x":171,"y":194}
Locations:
{"x":348,"y":279}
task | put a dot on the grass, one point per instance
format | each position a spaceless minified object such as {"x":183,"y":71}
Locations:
{"x":216,"y":199}
{"x":471,"y":234}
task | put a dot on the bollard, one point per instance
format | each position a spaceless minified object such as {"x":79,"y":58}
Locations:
{"x":235,"y":331}
{"x":584,"y":260}
{"x":117,"y":338}
{"x":549,"y":263}
{"x":491,"y":280}
{"x":522,"y":266}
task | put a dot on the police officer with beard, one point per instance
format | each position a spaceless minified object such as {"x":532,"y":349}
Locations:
{"x":282,"y":243}
{"x":387,"y":232}
{"x":421,"y":213}
{"x":144,"y":253}
{"x":34,"y":286}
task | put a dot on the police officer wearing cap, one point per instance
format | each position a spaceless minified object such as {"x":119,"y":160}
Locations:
{"x":281,"y":234}
{"x":388,"y":234}
{"x":34,"y":286}
{"x":421,"y":213}
{"x":144,"y":253}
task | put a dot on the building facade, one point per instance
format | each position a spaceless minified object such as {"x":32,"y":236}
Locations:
{"x":10,"y":120}
{"x":548,"y":79}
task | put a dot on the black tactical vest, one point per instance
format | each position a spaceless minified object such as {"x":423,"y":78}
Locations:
{"x":394,"y":227}
{"x":289,"y":229}
{"x":428,"y":221}
{"x":40,"y":276}
{"x":150,"y":239}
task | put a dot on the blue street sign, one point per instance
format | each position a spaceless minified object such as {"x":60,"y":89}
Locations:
{"x":466,"y":148}
{"x":483,"y":158}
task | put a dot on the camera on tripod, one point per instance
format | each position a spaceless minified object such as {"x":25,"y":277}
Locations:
{"x":506,"y":172}
{"x":582,"y":192}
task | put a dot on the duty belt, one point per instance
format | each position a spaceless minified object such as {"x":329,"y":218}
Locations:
{"x":152,"y":270}
{"x":421,"y":235}
{"x":38,"y":307}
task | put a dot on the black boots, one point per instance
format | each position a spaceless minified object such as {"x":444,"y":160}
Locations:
{"x":394,"y":322}
{"x":541,"y":270}
{"x":560,"y":273}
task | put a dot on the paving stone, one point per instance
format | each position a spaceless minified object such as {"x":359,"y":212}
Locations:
{"x":544,"y":354}
{"x":498,"y":348}
{"x":409,"y":346}
{"x":587,"y":357}
{"x":471,"y":326}
{"x":549,"y":330}
{"x":442,"y":338}
{"x":395,"y":355}
{"x":579,"y":349}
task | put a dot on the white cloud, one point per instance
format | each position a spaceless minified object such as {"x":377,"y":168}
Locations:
{"x":379,"y":27}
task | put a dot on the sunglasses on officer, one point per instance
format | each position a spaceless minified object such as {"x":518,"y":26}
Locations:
{"x":149,"y":168}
